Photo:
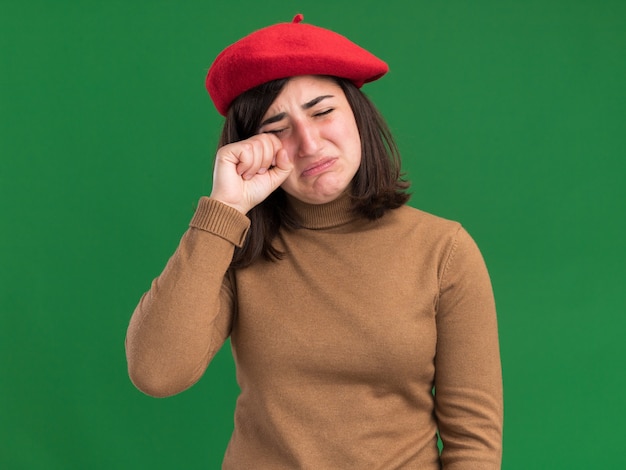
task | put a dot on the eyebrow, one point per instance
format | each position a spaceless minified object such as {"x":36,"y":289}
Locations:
{"x":314,"y":101}
{"x":307,"y":105}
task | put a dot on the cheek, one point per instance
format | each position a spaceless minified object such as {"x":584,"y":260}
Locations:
{"x":352,"y":139}
{"x":356,"y":150}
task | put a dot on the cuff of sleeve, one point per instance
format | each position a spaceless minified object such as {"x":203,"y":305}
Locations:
{"x":221,"y":220}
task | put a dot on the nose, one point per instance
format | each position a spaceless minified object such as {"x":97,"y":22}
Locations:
{"x":308,"y":139}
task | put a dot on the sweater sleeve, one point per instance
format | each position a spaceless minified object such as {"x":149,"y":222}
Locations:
{"x":468,"y":377}
{"x":185,"y":317}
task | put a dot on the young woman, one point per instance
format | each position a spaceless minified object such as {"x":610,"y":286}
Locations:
{"x":360,"y":327}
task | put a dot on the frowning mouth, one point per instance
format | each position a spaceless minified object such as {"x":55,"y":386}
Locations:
{"x":319,"y":167}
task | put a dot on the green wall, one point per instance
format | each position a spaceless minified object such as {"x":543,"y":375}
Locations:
{"x":511,"y":119}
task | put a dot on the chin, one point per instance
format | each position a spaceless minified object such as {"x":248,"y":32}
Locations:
{"x":323,"y":198}
{"x":323,"y":194}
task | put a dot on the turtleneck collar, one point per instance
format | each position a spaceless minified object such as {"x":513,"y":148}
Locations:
{"x":323,"y":216}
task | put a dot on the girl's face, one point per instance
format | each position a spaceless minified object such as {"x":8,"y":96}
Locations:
{"x":313,"y":120}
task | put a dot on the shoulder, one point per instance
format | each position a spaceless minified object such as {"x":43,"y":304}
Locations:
{"x":421,"y":223}
{"x":424,"y":231}
{"x":445,"y":242}
{"x":412,"y":213}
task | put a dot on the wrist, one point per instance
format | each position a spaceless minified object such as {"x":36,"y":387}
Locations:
{"x":236,"y":206}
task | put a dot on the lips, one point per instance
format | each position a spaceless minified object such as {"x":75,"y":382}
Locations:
{"x":318,"y":167}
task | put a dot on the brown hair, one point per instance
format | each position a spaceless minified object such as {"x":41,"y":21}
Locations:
{"x":377,"y":185}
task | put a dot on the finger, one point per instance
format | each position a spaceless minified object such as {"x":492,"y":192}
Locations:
{"x":267,"y":155}
{"x":276,"y":146}
{"x":281,"y":170}
{"x":250,"y":158}
{"x":283,"y":162}
{"x":243,"y":154}
{"x":263,"y":148}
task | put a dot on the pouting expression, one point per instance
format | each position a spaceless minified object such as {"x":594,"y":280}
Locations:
{"x":315,"y":124}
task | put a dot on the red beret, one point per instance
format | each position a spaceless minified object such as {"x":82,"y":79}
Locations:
{"x":286,"y":50}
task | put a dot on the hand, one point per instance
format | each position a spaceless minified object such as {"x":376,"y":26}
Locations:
{"x":248,"y":171}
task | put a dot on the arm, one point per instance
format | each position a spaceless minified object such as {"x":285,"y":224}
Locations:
{"x":185,"y":317}
{"x":468,"y":377}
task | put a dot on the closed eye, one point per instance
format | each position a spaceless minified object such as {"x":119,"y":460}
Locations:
{"x":275,"y":131}
{"x":325,"y":112}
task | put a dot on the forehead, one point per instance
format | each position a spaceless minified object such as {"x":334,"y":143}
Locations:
{"x":302,"y":89}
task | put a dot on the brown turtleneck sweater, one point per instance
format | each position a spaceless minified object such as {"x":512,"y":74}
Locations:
{"x":339,"y":345}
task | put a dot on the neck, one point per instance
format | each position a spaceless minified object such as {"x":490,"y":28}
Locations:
{"x":321,"y":216}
